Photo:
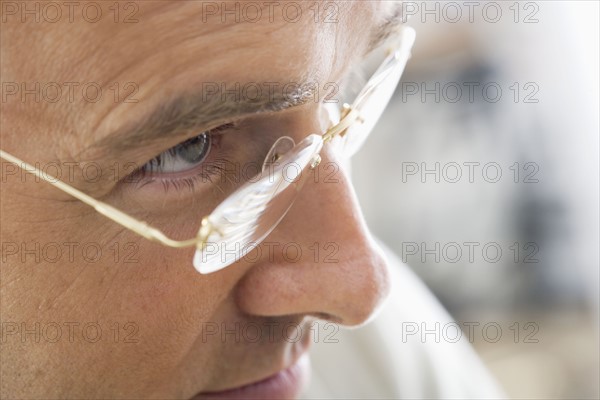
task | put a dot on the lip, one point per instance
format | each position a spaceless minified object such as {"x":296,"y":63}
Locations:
{"x":286,"y":384}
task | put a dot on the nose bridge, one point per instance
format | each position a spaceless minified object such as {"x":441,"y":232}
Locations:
{"x":328,"y":263}
{"x":327,"y":207}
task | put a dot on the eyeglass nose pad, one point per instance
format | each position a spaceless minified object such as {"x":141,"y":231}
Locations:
{"x":279,"y":148}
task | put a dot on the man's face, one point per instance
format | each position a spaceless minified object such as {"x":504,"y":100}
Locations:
{"x":91,"y":310}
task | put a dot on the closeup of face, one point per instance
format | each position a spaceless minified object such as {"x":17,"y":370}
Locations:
{"x":124,"y":109}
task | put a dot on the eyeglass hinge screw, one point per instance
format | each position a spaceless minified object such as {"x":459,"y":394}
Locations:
{"x":206,"y":228}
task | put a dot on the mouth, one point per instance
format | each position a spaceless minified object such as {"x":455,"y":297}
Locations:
{"x":285,"y":384}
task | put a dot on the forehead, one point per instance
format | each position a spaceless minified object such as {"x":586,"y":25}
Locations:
{"x":135,"y":36}
{"x":169,"y":46}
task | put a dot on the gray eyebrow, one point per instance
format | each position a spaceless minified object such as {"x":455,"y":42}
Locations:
{"x":197,"y":110}
{"x":388,"y":27}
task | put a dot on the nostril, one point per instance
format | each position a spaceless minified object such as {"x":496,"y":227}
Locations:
{"x":327,"y":317}
{"x":347,"y":293}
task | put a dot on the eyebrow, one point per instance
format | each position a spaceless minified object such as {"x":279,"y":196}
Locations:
{"x":191,"y":111}
{"x":390,"y":25}
{"x":215,"y":102}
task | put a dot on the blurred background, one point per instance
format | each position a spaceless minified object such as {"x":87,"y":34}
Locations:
{"x":489,"y":150}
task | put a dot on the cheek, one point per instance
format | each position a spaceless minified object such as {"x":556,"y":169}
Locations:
{"x":164,"y":291}
{"x":147,"y":303}
{"x":171,"y":304}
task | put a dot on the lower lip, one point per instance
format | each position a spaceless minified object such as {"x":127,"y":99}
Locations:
{"x":286,"y":384}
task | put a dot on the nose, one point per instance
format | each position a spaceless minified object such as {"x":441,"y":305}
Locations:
{"x":321,"y":259}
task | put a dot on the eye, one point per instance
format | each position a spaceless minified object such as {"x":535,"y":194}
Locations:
{"x":198,"y":160}
{"x":180,"y":158}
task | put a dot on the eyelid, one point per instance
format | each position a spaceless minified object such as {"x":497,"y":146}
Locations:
{"x":218,"y":130}
{"x":140,"y":177}
{"x":213,"y":133}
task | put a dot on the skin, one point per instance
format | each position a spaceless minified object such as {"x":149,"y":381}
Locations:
{"x":167,"y":304}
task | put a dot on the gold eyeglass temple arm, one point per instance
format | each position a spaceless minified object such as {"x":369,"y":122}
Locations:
{"x":121,"y":218}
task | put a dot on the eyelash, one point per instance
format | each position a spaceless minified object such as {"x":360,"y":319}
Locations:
{"x":206,"y":170}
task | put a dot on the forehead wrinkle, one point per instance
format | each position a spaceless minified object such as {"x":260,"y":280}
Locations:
{"x":168,"y":23}
{"x":122,"y":55}
{"x":215,"y":49}
{"x":126,"y":47}
{"x":154,"y":80}
{"x":131,"y":46}
{"x":181,"y":73}
{"x":181,"y":77}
